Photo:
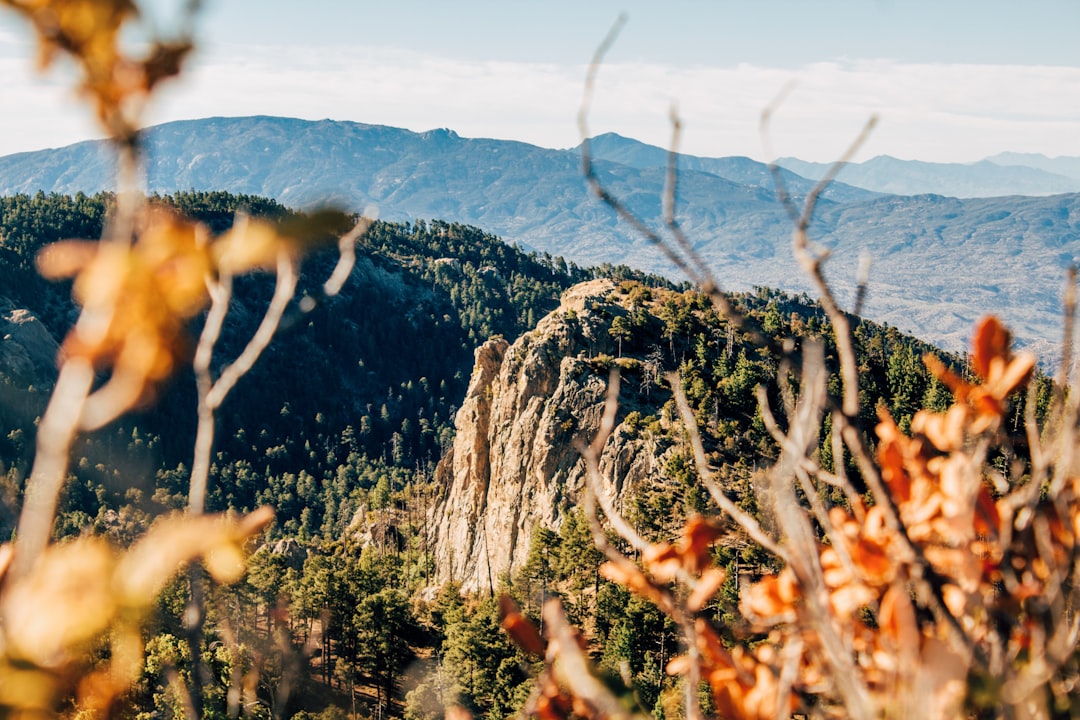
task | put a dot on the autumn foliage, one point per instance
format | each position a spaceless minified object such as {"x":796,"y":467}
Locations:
{"x":928,"y":573}
{"x":950,"y":592}
{"x":72,"y":614}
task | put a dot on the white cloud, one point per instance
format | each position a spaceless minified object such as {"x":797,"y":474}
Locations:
{"x":931,"y":112}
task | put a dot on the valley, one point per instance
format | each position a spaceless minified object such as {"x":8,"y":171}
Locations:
{"x":415,"y":436}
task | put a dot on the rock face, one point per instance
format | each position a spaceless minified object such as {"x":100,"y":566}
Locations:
{"x":27,"y":349}
{"x":513,"y":465}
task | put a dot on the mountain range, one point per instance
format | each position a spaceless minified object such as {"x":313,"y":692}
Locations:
{"x":1004,"y":174}
{"x":938,"y":262}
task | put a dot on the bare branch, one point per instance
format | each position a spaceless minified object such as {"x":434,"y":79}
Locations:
{"x":791,"y":656}
{"x":692,"y":265}
{"x":346,"y":256}
{"x":782,"y":194}
{"x":862,"y":282}
{"x":839,"y":454}
{"x":800,"y":541}
{"x":810,"y":203}
{"x":283,"y":293}
{"x":593,"y":182}
{"x":220,"y":297}
{"x":811,"y":263}
{"x":55,"y":435}
{"x":212,"y":394}
{"x":1069,"y":314}
{"x":706,"y":280}
{"x":572,"y":669}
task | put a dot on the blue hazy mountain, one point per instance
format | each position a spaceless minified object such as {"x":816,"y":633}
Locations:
{"x":986,"y":178}
{"x":1062,"y":165}
{"x":743,"y":170}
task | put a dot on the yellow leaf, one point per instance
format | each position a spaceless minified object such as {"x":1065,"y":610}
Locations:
{"x":249,"y":245}
{"x":710,"y":582}
{"x":64,"y":602}
{"x":225,"y":562}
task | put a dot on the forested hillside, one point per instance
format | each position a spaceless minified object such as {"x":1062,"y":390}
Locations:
{"x":377,"y":370}
{"x":342,"y":424}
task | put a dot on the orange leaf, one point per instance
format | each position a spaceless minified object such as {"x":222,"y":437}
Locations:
{"x":987,"y":518}
{"x":991,"y":341}
{"x":628,"y":575}
{"x":954,"y":382}
{"x":771,"y":596}
{"x":698,"y":536}
{"x":65,"y":258}
{"x":891,"y":457}
{"x":874,"y":561}
{"x":896,"y":617}
{"x":662,"y":561}
{"x":690,"y":553}
{"x":519,"y":627}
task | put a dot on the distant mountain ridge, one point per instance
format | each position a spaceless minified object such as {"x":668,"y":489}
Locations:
{"x":1061,"y":165}
{"x":938,"y":262}
{"x":1008,"y":175}
{"x":633,"y":153}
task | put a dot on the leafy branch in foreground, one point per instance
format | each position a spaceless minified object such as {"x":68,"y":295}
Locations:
{"x":71,"y":614}
{"x":939,"y":582}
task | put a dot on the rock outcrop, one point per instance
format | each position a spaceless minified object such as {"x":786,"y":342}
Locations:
{"x":27,"y":349}
{"x":513,"y":465}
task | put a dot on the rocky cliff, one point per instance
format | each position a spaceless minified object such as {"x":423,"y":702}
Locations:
{"x":27,"y":349}
{"x":513,"y":465}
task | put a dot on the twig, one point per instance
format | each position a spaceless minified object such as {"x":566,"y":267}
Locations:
{"x":55,"y":435}
{"x":571,"y":667}
{"x":211,"y":395}
{"x":1069,"y":401}
{"x":346,"y":256}
{"x":803,"y":556}
{"x":801,"y":474}
{"x":590,"y":174}
{"x":220,"y":297}
{"x":283,"y":293}
{"x":1069,"y":322}
{"x":706,"y":281}
{"x":782,"y":195}
{"x":789,"y":673}
{"x":862,"y":282}
{"x":838,"y":450}
{"x":812,"y":264}
{"x":663,"y":597}
{"x":693,"y":266}
{"x":172,"y":676}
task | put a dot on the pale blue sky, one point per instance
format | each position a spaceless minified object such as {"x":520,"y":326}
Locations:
{"x":953,"y":80}
{"x":785,"y":33}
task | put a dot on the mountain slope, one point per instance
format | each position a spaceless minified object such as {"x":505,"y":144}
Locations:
{"x":512,"y":471}
{"x":347,"y":387}
{"x":938,"y":263}
{"x":743,"y":170}
{"x":521,"y":192}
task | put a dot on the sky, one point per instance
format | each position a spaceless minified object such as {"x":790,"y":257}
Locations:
{"x":951,"y":80}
